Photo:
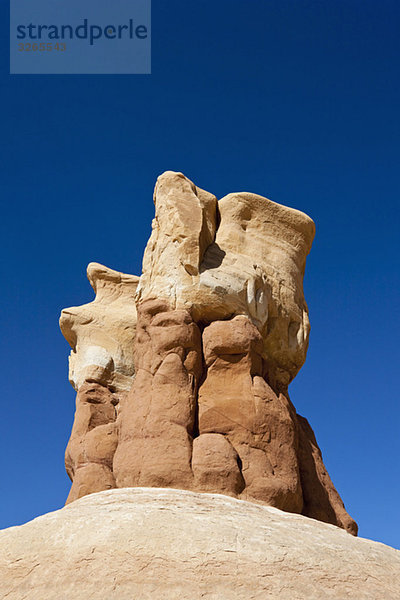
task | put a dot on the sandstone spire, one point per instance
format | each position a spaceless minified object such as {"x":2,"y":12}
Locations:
{"x":182,"y":375}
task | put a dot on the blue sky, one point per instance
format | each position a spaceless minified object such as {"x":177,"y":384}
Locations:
{"x":295,"y":100}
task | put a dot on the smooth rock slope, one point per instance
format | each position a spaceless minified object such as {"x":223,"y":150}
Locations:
{"x":166,"y":544}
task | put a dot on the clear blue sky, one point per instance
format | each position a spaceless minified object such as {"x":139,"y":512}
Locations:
{"x":295,"y":100}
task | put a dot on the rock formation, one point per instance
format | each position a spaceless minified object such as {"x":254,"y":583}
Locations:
{"x":182,"y":374}
{"x":168,"y":544}
{"x":101,"y":369}
{"x":102,"y":333}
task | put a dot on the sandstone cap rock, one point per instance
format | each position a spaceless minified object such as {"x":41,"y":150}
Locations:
{"x":101,"y":333}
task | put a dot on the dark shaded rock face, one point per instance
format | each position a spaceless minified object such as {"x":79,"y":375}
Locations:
{"x":213,"y":345}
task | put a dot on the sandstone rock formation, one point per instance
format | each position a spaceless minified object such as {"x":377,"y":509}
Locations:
{"x":102,"y":333}
{"x":101,"y":368}
{"x":94,"y":438}
{"x":173,"y":544}
{"x":183,"y":374}
{"x":157,"y":421}
{"x":244,"y":255}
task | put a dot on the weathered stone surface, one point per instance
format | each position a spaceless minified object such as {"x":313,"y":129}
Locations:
{"x":236,"y":401}
{"x":101,"y":333}
{"x":90,"y":451}
{"x":101,"y":368}
{"x":253,"y":266}
{"x":184,"y":226}
{"x":157,"y":417}
{"x":217,"y":329}
{"x":265,"y":246}
{"x":179,"y":545}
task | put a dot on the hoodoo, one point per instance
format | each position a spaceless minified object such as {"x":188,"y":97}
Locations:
{"x":182,"y":373}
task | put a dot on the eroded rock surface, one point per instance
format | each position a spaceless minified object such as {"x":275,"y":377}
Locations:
{"x":250,"y":259}
{"x":102,"y":333}
{"x":236,"y":402}
{"x":90,"y":451}
{"x":182,"y":375}
{"x":157,"y":420}
{"x":180,"y":545}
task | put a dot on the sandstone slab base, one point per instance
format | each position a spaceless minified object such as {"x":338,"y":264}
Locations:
{"x":166,"y":544}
